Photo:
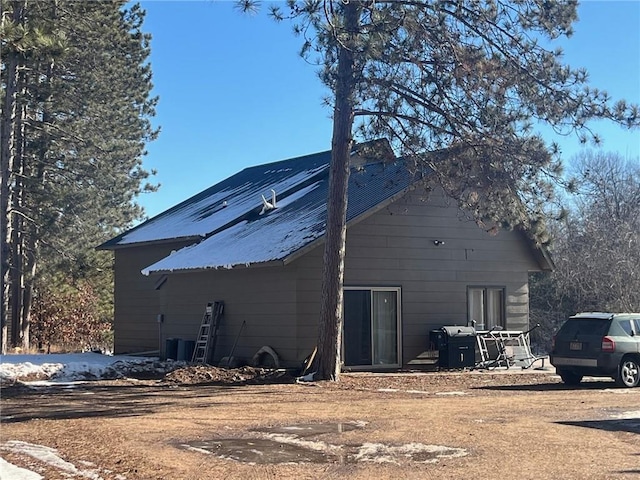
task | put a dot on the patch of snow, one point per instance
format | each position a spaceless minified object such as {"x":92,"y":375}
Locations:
{"x":306,"y":378}
{"x":11,"y":471}
{"x":317,"y":446}
{"x":452,"y":393}
{"x":48,"y":456}
{"x":69,"y":369}
{"x":196,"y":449}
{"x":381,"y":453}
{"x":388,"y":390}
{"x":633,"y":415}
{"x":25,"y":367}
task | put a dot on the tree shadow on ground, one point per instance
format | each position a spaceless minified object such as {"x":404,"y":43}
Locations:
{"x":551,"y":386}
{"x":21,"y":403}
{"x":631,"y":425}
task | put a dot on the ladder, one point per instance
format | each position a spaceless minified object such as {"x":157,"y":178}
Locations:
{"x":206,"y":341}
{"x":481,"y":341}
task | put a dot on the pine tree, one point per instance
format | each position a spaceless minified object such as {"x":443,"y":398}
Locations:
{"x":86,"y":109}
{"x":26,"y":43}
{"x":456,"y":86}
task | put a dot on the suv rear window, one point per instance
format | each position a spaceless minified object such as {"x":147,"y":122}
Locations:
{"x":589,"y":326}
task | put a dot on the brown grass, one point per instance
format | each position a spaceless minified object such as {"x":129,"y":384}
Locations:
{"x":511,"y":426}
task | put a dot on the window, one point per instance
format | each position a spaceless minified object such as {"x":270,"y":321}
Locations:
{"x":486,"y":307}
{"x":371,"y":326}
{"x":626,"y":326}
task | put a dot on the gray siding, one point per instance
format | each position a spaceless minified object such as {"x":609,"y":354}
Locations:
{"x":262,"y":297}
{"x":137,"y":302}
{"x":394,"y":247}
{"x":280,"y":304}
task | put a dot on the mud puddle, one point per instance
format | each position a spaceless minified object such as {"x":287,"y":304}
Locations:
{"x":302,"y":443}
{"x":259,"y":451}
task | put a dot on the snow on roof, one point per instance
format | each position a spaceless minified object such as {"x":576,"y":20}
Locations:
{"x":225,"y":202}
{"x":298,"y":220}
{"x":283,"y":230}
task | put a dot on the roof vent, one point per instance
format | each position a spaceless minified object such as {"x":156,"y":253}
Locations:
{"x":266,"y":205}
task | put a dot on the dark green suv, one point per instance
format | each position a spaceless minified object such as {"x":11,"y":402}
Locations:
{"x":599,"y":345}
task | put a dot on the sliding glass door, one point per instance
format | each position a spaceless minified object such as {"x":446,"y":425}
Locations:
{"x":371,"y":326}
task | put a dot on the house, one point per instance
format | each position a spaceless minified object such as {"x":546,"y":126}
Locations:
{"x":414,"y":262}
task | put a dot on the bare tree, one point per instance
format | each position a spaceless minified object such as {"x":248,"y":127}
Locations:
{"x":598,"y":249}
{"x":596,"y":246}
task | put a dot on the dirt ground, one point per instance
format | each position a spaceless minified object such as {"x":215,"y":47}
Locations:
{"x":208,"y":423}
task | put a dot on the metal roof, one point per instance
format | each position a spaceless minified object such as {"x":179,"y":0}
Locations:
{"x":216,"y":207}
{"x":229,"y":228}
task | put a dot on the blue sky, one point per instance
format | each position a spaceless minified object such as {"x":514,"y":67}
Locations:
{"x":235,"y":93}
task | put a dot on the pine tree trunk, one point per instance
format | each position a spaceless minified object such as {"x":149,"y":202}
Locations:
{"x":5,"y":170}
{"x":330,"y":329}
{"x":17,"y":236}
{"x":27,"y":290}
{"x":16,"y":225}
{"x":7,"y":159}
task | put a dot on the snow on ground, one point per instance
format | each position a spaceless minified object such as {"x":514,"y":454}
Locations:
{"x":60,"y":369}
{"x":44,"y":457}
{"x":70,"y":367}
{"x":10,"y":471}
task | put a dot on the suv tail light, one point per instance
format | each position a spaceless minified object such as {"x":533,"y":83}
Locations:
{"x":608,"y":345}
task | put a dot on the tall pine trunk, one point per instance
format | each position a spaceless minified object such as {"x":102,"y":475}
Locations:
{"x":27,"y":290}
{"x":8,"y":130}
{"x":6,"y":153}
{"x":330,"y":328}
{"x":16,"y":223}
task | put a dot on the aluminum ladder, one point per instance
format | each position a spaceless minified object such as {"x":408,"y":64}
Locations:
{"x":206,"y":340}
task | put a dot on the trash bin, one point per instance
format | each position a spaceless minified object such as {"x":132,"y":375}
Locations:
{"x":457,"y":347}
{"x":171,"y":349}
{"x":185,"y":349}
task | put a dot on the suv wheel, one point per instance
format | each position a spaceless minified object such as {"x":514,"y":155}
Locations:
{"x":570,"y":378}
{"x":629,"y":372}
